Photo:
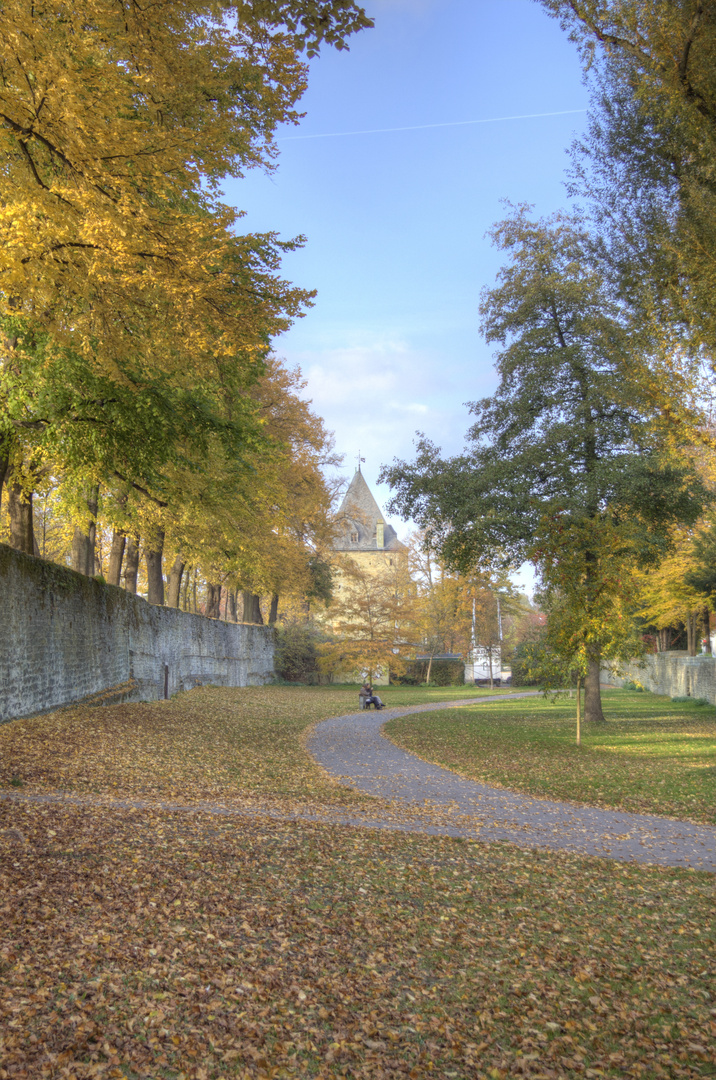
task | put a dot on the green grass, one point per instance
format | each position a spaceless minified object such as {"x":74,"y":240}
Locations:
{"x":653,"y":756}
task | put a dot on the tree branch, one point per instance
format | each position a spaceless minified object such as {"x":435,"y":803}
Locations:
{"x":140,"y":489}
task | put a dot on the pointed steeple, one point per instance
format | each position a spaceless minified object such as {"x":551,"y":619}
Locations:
{"x":359,"y":499}
{"x":362,"y":525}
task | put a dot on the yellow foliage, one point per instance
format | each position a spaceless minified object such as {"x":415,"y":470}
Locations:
{"x":117,"y":122}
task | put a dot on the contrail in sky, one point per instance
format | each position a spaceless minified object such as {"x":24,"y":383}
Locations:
{"x":424,"y":127}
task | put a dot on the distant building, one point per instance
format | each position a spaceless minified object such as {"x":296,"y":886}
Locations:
{"x":363,"y":532}
{"x":483,"y":664}
{"x":364,"y":537}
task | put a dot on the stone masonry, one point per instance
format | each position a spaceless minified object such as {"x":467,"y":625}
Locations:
{"x":675,"y":674}
{"x":65,"y":638}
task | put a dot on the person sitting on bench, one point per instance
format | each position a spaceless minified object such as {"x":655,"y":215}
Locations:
{"x":368,"y":698}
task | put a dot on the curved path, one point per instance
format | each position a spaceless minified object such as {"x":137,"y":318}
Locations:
{"x":353,"y":749}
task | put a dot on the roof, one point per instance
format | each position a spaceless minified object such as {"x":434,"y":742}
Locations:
{"x":358,"y":519}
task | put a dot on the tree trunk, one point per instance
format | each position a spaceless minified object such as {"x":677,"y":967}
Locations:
{"x":706,"y":616}
{"x":80,"y":544}
{"x":153,"y":559}
{"x":193,"y":593}
{"x":213,"y":600}
{"x":174,"y":582}
{"x":232,"y":605}
{"x":116,"y":556}
{"x":579,"y":710}
{"x":592,"y":694}
{"x":4,"y":468}
{"x":691,"y":634}
{"x":185,"y":597}
{"x":273,"y":610}
{"x":131,"y":564}
{"x":22,"y":534}
{"x":430,"y":668}
{"x":83,"y":542}
{"x":252,"y":608}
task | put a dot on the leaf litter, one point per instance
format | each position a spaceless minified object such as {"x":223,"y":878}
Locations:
{"x":186,"y":945}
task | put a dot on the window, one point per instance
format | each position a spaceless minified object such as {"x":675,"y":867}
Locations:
{"x":354,"y":538}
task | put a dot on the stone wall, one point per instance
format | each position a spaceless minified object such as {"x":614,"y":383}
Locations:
{"x":675,"y":674}
{"x":65,"y":638}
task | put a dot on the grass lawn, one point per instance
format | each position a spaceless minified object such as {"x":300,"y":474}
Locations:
{"x":144,"y":943}
{"x":654,"y":755}
{"x":149,"y":944}
{"x":209,"y":744}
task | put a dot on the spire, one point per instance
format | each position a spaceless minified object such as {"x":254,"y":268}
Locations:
{"x":363,"y":527}
{"x":358,"y":501}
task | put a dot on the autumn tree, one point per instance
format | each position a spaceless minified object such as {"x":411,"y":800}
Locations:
{"x":117,"y":126}
{"x":567,"y":464}
{"x":118,"y":260}
{"x":646,"y":163}
{"x":455,"y":611}
{"x":666,"y":597}
{"x":372,"y":616}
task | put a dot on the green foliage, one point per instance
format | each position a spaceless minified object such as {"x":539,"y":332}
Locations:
{"x":442,"y":673}
{"x":702,"y":575}
{"x":569,"y":465}
{"x":321,"y":575}
{"x":522,"y":665}
{"x":296,"y":657}
{"x":646,"y":163}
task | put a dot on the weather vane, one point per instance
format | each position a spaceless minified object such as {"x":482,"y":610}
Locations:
{"x":360,"y":459}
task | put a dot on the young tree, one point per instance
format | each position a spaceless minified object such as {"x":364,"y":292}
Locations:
{"x":566,"y":464}
{"x":372,"y":617}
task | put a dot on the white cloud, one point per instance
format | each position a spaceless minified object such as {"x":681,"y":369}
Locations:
{"x":374,"y":394}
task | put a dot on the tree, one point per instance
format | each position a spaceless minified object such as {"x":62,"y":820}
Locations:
{"x":131,"y":308}
{"x":454,"y":611}
{"x":117,"y":125}
{"x":667,"y":596}
{"x":568,"y":464}
{"x":372,"y":617}
{"x":647,"y":163}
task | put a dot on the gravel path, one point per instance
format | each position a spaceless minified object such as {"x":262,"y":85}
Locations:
{"x":353,"y":749}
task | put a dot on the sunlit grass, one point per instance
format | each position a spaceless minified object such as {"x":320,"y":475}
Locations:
{"x":654,"y":755}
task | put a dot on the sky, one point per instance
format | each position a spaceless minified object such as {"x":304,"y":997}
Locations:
{"x":489,"y":95}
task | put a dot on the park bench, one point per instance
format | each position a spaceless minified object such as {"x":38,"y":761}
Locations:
{"x":363,"y":701}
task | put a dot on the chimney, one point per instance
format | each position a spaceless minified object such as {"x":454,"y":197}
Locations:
{"x":379,"y":535}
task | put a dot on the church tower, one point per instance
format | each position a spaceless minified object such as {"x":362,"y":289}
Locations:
{"x":362,"y":530}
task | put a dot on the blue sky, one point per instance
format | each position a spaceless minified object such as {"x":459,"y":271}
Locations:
{"x":395,"y":221}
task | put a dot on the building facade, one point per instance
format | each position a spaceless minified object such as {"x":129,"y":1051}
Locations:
{"x":365,"y":540}
{"x":363,"y":532}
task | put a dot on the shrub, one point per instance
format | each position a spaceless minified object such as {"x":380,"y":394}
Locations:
{"x":442,"y":673}
{"x":296,"y":656}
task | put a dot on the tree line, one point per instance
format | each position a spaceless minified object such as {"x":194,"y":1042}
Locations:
{"x":139,"y":395}
{"x":593,"y":459}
